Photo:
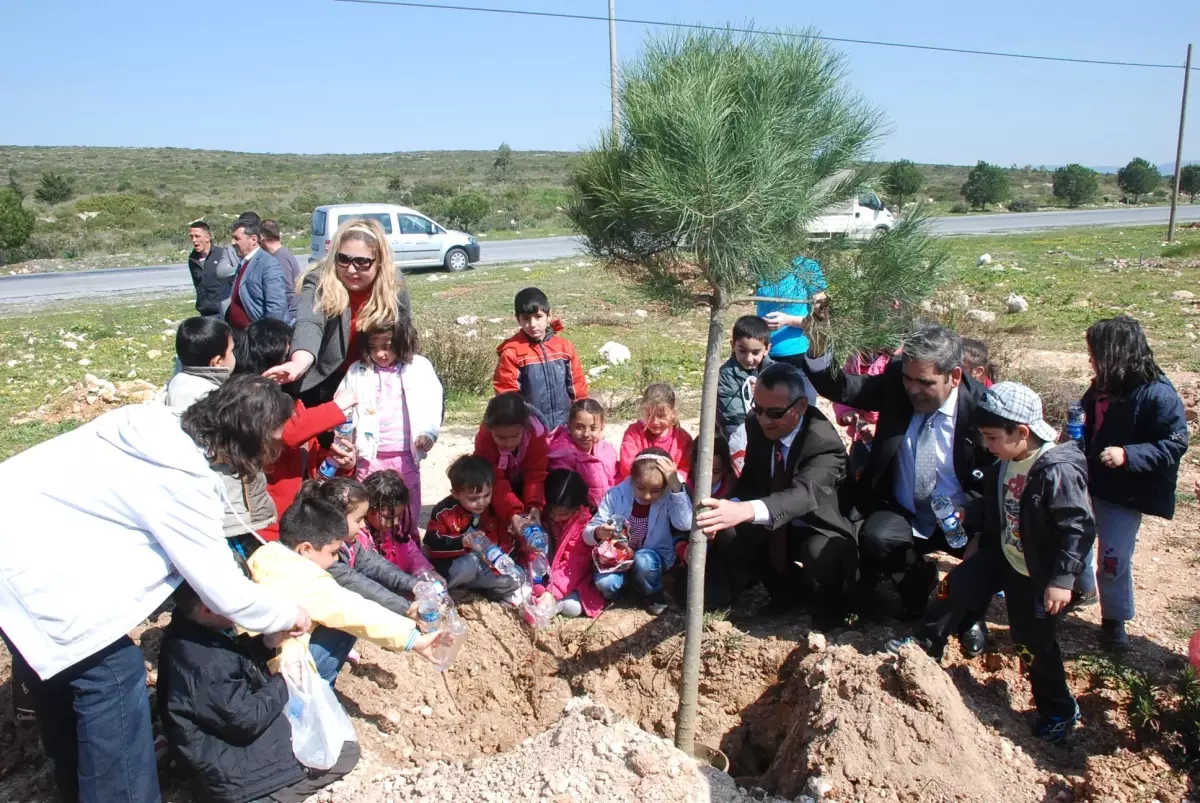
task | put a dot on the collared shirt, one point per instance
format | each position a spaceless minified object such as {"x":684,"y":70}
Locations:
{"x":784,"y":444}
{"x":947,"y":484}
{"x":246,"y":259}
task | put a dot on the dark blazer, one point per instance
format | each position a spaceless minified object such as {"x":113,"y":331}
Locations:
{"x":884,"y":393}
{"x":212,"y":276}
{"x":816,"y":464}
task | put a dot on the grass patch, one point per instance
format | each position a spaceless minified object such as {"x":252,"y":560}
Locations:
{"x":1188,"y":249}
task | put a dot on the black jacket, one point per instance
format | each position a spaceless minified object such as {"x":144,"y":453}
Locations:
{"x":884,"y":393}
{"x":374,"y":577}
{"x":224,"y":713}
{"x":816,"y":463}
{"x":212,"y":277}
{"x":1150,"y":425}
{"x":1056,"y":522}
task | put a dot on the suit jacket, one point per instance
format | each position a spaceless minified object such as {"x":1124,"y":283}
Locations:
{"x":263,"y":291}
{"x":884,"y":394}
{"x":816,"y":464}
{"x":212,"y":277}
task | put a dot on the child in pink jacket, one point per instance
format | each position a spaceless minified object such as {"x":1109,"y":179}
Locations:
{"x":580,"y":447}
{"x":571,"y":571}
{"x":860,"y":424}
{"x":387,"y":527}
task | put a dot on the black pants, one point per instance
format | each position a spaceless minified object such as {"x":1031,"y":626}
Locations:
{"x":829,"y":563}
{"x":319,"y":779}
{"x":888,"y":545}
{"x":971,"y":586}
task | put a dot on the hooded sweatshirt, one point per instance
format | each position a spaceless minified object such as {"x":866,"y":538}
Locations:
{"x":192,"y":384}
{"x":548,"y":373}
{"x":135,"y":509}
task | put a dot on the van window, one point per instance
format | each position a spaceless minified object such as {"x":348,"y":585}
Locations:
{"x":318,"y":223}
{"x":870,"y":200}
{"x":383,"y":218}
{"x":412,"y":224}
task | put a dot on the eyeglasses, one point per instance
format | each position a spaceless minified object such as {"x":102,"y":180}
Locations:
{"x":360,"y":263}
{"x":774,"y":413}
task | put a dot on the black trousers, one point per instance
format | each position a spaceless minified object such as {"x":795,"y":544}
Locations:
{"x":971,"y":586}
{"x":888,"y":546}
{"x":319,"y":779}
{"x":828,"y":563}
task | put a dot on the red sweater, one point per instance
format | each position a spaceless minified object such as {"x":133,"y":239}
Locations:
{"x":675,"y":442}
{"x":300,"y":457}
{"x":533,"y":461}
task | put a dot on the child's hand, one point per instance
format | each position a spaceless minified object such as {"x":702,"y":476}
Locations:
{"x":345,"y":399}
{"x":1113,"y":457}
{"x":535,"y":516}
{"x":1056,"y":599}
{"x":848,"y":419}
{"x":426,"y":643}
{"x":423,"y":443}
{"x":603,"y":533}
{"x":343,"y":455}
{"x":667,"y":466}
{"x":866,"y":432}
{"x":518,"y":521}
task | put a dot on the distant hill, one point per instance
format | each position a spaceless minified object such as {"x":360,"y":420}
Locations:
{"x":1166,"y":168}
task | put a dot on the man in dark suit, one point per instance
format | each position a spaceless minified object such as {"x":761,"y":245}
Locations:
{"x":785,"y":527}
{"x":259,"y":289}
{"x":212,"y":268}
{"x":926,"y":446}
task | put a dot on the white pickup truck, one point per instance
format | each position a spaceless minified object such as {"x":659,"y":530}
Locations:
{"x":859,"y":218}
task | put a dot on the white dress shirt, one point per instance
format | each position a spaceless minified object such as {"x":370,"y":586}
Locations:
{"x":761,"y":514}
{"x":947,"y":484}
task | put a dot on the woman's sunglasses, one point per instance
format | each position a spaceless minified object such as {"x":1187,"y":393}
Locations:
{"x":774,"y":413}
{"x":360,"y":263}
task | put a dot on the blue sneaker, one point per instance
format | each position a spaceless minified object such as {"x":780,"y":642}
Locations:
{"x":1055,"y":730}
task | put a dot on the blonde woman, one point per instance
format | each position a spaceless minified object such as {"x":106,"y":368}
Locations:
{"x":355,"y":288}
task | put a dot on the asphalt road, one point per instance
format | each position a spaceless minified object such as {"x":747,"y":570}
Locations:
{"x":154,"y":279}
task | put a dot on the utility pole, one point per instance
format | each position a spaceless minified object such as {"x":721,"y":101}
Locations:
{"x":1187,"y":74}
{"x":612,"y":70}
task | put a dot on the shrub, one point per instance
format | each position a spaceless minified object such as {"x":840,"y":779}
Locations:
{"x":1075,"y":184}
{"x":1189,"y":181}
{"x":395,"y":184}
{"x":503,"y":162}
{"x":55,"y":188}
{"x":121,"y":206}
{"x":1023,"y":205}
{"x":16,"y":222}
{"x":467,"y":209}
{"x":19,"y":191}
{"x":1138,"y":178}
{"x":986,"y":184}
{"x":464,"y":366}
{"x":900,"y":179}
{"x":959,"y":209}
{"x":425,"y":191}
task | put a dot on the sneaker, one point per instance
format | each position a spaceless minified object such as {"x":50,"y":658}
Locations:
{"x":1113,"y":637}
{"x":657,"y":604}
{"x":1055,"y":730}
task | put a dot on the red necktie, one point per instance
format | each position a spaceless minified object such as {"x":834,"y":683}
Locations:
{"x":779,"y":477}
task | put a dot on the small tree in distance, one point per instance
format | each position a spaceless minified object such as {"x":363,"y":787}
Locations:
{"x":13,"y":185}
{"x":1075,"y":184}
{"x":1189,"y":181}
{"x":900,"y":179}
{"x":468,"y":209}
{"x":1138,"y":178}
{"x":503,"y":162}
{"x":729,"y":145}
{"x":54,"y":188}
{"x":986,"y":184}
{"x":16,"y":222}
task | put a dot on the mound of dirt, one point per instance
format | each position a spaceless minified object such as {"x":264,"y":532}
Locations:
{"x":590,"y":754}
{"x":863,"y":726}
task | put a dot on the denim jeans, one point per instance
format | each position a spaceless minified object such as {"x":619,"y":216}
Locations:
{"x":95,"y":724}
{"x":646,"y":572}
{"x":329,"y":649}
{"x":1116,"y":538}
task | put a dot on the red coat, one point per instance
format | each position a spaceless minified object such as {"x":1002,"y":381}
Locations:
{"x":448,"y":521}
{"x":572,"y":568}
{"x":548,"y":374}
{"x":675,"y":441}
{"x":533,"y":460}
{"x":300,"y":458}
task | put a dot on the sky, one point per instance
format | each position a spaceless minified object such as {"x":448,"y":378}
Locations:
{"x":320,"y":76}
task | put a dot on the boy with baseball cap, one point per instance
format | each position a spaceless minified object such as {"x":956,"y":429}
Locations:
{"x":1037,"y":529}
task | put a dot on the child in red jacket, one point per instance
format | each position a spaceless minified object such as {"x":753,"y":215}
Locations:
{"x":514,"y":442}
{"x":658,"y":428}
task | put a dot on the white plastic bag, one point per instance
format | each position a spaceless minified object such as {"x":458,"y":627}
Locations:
{"x":319,"y":723}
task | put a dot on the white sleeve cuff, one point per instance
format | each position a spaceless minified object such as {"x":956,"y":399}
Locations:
{"x":820,"y":363}
{"x":761,"y":514}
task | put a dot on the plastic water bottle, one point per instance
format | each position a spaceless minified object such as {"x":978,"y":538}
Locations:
{"x":343,"y":432}
{"x":433,"y":603}
{"x":538,"y":606}
{"x":492,"y":555}
{"x":943,"y":509}
{"x":1075,"y":421}
{"x":534,"y":536}
{"x":538,"y":569}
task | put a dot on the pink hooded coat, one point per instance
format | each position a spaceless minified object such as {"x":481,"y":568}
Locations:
{"x":598,"y":469}
{"x":572,"y":569}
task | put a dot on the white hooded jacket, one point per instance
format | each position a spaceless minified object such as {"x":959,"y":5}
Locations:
{"x":99,"y":525}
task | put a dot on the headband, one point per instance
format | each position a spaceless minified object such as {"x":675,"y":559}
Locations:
{"x":641,"y":457}
{"x":364,"y":230}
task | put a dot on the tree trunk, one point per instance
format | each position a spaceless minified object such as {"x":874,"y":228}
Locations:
{"x":685,"y":722}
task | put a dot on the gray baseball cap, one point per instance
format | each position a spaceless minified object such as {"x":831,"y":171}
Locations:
{"x":1015,"y":402}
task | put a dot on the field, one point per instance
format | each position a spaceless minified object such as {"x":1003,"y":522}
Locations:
{"x":130,"y":204}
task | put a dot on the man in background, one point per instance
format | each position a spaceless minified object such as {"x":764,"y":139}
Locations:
{"x":272,"y":243}
{"x":258,"y":289}
{"x":212,"y":268}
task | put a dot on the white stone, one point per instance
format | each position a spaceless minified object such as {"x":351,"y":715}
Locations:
{"x":597,"y":371}
{"x":641,"y":313}
{"x":1183,"y":295}
{"x":467,"y":320}
{"x":984,"y":259}
{"x":153,"y":354}
{"x":960,"y":301}
{"x":1016,"y":303}
{"x":981,"y":316}
{"x":85,"y":362}
{"x":69,"y":344}
{"x":615,"y":353}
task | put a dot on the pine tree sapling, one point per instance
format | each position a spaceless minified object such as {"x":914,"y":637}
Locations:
{"x":13,"y":185}
{"x":1075,"y":184}
{"x":729,"y":145}
{"x":1189,"y":181}
{"x":467,"y":209}
{"x":1138,"y":178}
{"x":900,"y":179}
{"x":54,"y":188}
{"x":503,"y":162}
{"x":986,"y":184}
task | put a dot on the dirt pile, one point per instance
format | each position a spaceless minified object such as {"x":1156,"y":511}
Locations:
{"x":590,"y":754}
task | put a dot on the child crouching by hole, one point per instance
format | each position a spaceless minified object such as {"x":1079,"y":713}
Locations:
{"x":652,"y":500}
{"x":388,"y":528}
{"x":469,"y":508}
{"x":568,"y":512}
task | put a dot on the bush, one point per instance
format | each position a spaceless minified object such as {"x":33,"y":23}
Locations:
{"x":986,"y":184}
{"x":1189,"y":181}
{"x":1075,"y":184}
{"x":464,"y":366}
{"x":1023,"y":205}
{"x":959,"y":209}
{"x":121,"y":206}
{"x":425,"y":191}
{"x":16,"y":222}
{"x":1138,"y":178}
{"x":55,"y":188}
{"x":467,"y":209}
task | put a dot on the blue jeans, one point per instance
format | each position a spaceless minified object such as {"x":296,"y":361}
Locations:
{"x":329,"y":649}
{"x":1116,"y":538}
{"x":646,"y":573}
{"x":95,"y":723}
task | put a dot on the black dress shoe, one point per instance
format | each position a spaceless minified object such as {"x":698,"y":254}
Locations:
{"x":974,"y":639}
{"x":916,"y":587}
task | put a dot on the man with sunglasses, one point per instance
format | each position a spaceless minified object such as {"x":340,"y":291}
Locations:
{"x":259,"y":289}
{"x":926,"y":446}
{"x":785,"y":527}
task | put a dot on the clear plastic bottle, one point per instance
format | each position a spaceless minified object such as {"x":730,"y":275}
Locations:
{"x":538,"y":569}
{"x":943,"y":509}
{"x":492,"y":555}
{"x":535,"y":538}
{"x":343,"y":432}
{"x":538,"y":606}
{"x":1075,"y":421}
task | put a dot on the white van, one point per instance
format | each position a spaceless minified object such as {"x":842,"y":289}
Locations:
{"x":859,"y":218}
{"x":417,"y":241}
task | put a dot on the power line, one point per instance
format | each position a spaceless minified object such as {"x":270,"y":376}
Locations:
{"x":698,"y":26}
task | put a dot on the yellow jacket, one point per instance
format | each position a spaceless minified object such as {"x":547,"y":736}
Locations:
{"x":276,"y":567}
